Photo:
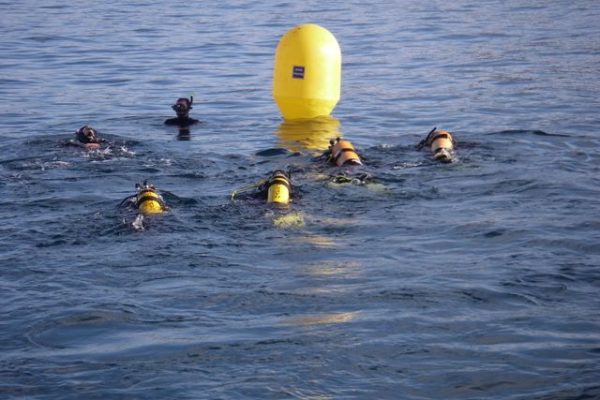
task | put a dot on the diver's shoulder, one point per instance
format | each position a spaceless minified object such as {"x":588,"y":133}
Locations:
{"x":85,"y":146}
{"x":181,"y":121}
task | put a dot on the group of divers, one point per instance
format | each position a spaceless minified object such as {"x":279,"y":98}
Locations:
{"x":276,"y":189}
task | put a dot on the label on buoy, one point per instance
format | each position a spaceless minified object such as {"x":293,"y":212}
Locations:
{"x":298,"y":72}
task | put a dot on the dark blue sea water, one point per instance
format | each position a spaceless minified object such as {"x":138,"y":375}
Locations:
{"x":478,"y":279}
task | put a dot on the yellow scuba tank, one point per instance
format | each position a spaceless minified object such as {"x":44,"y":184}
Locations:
{"x":342,"y":152}
{"x":307,"y":72}
{"x":441,"y":143}
{"x":148,"y":201}
{"x":279,"y":188}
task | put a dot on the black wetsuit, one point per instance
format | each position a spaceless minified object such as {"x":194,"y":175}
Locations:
{"x":181,"y":122}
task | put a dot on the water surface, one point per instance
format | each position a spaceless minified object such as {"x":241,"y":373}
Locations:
{"x":475,"y":279}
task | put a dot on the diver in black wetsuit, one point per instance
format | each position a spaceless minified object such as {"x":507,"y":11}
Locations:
{"x":182,"y":107}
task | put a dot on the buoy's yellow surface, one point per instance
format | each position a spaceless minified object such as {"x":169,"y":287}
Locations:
{"x":307,"y":72}
{"x":310,"y":134}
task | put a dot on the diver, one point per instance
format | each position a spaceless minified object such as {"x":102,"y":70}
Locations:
{"x":182,"y":108}
{"x":275,"y":189}
{"x":86,"y":137}
{"x":147,"y":200}
{"x":441,"y":143}
{"x":341,"y":152}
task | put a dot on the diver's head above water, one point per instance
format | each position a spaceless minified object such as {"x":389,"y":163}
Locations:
{"x":183,"y":106}
{"x":87,"y":134}
{"x":86,"y":137}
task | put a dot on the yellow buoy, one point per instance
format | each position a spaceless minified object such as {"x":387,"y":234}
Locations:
{"x":307,"y":73}
{"x":311,"y":134}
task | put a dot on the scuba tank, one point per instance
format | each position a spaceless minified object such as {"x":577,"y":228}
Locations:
{"x":148,"y":201}
{"x":278,"y":188}
{"x":342,"y":152}
{"x":441,"y":143}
